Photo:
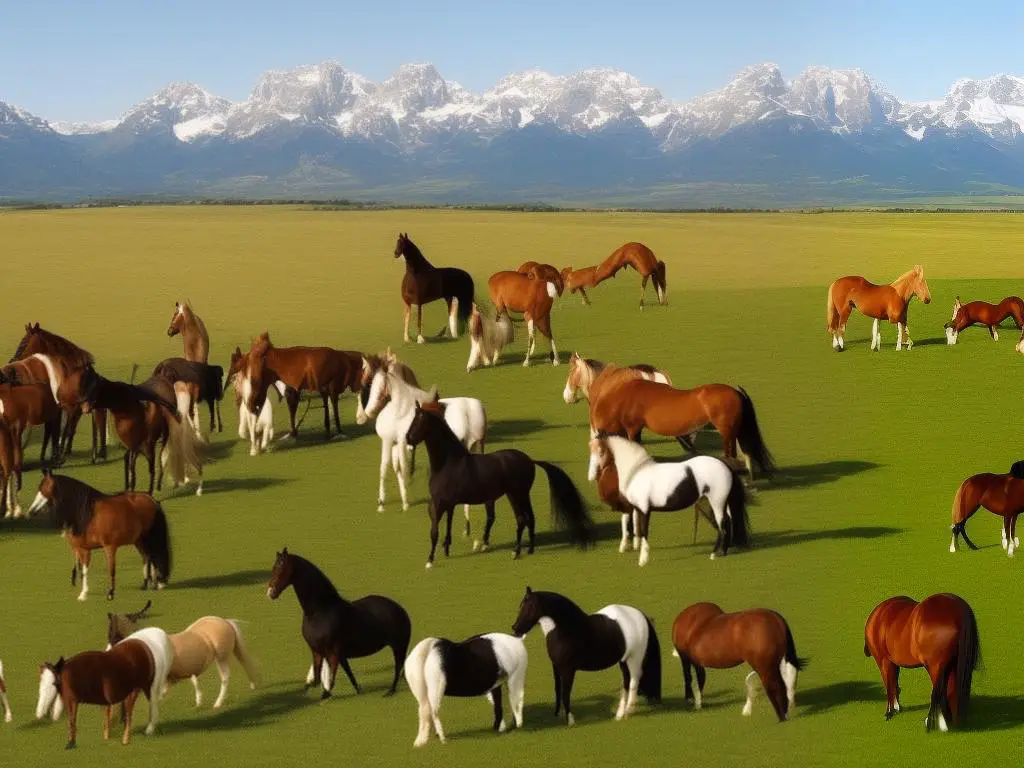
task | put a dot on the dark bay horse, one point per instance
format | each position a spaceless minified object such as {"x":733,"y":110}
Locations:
{"x":424,"y":283}
{"x":337,"y":630}
{"x":199,"y":381}
{"x":642,"y":259}
{"x":880,"y":302}
{"x":514,"y":292}
{"x":940,"y":634}
{"x":1001,"y":495}
{"x":983,"y":313}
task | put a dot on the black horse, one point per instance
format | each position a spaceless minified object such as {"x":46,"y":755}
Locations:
{"x":207,"y":381}
{"x":337,"y":630}
{"x":424,"y":283}
{"x":460,"y":477}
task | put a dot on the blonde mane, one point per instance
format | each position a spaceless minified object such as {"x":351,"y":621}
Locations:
{"x":628,"y":457}
{"x":908,"y":282}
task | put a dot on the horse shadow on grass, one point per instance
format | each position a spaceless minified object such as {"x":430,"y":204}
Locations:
{"x":810,"y":475}
{"x":237,"y":579}
{"x":510,"y":429}
{"x":994,"y":713}
{"x":259,"y":709}
{"x":770,"y":539}
{"x":934,"y":341}
{"x":825,"y":698}
{"x":543,"y":539}
{"x":229,"y":484}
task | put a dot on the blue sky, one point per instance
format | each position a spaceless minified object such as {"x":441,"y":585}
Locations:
{"x":86,"y":61}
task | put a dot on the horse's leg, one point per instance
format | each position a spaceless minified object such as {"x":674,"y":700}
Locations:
{"x":558,"y":690}
{"x":314,"y":674}
{"x":751,"y":682}
{"x":1013,"y":532}
{"x":385,"y":460}
{"x":111,"y":552}
{"x":483,"y":546}
{"x":150,"y":451}
{"x":643,"y":290}
{"x":544,"y":326}
{"x":450,"y":513}
{"x":435,"y":519}
{"x":348,"y":672}
{"x":643,"y":527}
{"x":899,"y":336}
{"x":419,"y":324}
{"x":775,"y":689}
{"x":335,"y":396}
{"x":292,"y":398}
{"x":72,"y":708}
{"x":620,"y":711}
{"x":224,"y":668}
{"x":687,"y":676}
{"x":568,"y":676}
{"x":995,"y":334}
{"x":1008,"y":534}
{"x":876,"y":336}
{"x":84,"y":556}
{"x":127,"y":710}
{"x":519,"y":510}
{"x":108,"y":716}
{"x":398,"y":459}
{"x":624,"y":544}
{"x":891,"y":678}
{"x":327,"y":415}
{"x":583,"y":294}
{"x":405,"y":333}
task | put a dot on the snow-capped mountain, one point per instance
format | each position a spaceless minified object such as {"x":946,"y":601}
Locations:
{"x":994,"y":106}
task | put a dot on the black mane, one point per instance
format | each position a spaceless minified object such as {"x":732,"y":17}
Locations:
{"x":73,"y":503}
{"x":568,"y":616}
{"x":312,"y":586}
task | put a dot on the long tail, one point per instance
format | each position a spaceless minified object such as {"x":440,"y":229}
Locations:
{"x":414,"y":668}
{"x":465,"y":296}
{"x":567,"y":504}
{"x":183,"y":450}
{"x":660,"y":282}
{"x":968,"y":660}
{"x":243,"y":656}
{"x":738,"y":517}
{"x":831,"y":312}
{"x":959,"y":518}
{"x":750,"y":438}
{"x":791,"y":657}
{"x":156,"y":545}
{"x":650,"y":674}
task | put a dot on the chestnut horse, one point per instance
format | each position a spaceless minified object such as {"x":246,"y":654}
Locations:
{"x":881,"y":302}
{"x":706,"y":636}
{"x":1000,"y":494}
{"x":10,"y":470}
{"x":193,"y":332}
{"x":424,"y":283}
{"x":642,"y":259}
{"x":983,"y":313}
{"x":579,"y":280}
{"x":940,"y":634}
{"x":27,"y":406}
{"x":513,"y":292}
{"x":540,"y":271}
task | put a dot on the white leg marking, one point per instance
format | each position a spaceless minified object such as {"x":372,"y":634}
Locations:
{"x":995,"y":335}
{"x":789,"y":675}
{"x":751,"y":682}
{"x":309,"y":675}
{"x":835,"y":341}
{"x":85,"y":583}
{"x":942,"y":723}
{"x":225,"y":674}
{"x":698,"y":698}
{"x":625,"y":534}
{"x":899,"y":336}
{"x":645,"y":552}
{"x":952,"y":544}
{"x":198,"y":690}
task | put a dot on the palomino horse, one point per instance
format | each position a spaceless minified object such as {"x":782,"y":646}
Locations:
{"x":326,"y":371}
{"x":140,"y":662}
{"x":478,"y":666}
{"x":1002,"y":495}
{"x":337,"y":630}
{"x":203,"y":642}
{"x":93,"y":520}
{"x":540,"y":271}
{"x":579,"y":280}
{"x":26,"y":406}
{"x":513,"y":292}
{"x":983,"y":313}
{"x":194,"y":383}
{"x":940,"y":634}
{"x":617,"y":634}
{"x":642,"y":259}
{"x":487,"y":338}
{"x":10,"y":470}
{"x":881,"y":302}
{"x":706,"y":636}
{"x":186,"y":322}
{"x":424,"y":283}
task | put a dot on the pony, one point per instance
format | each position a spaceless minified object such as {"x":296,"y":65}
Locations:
{"x":704,"y":635}
{"x":648,"y":485}
{"x":513,"y":292}
{"x":475,"y":667}
{"x":642,"y":259}
{"x":540,"y":271}
{"x":579,"y":280}
{"x":983,"y":313}
{"x":487,"y":338}
{"x":195,"y":382}
{"x":940,"y":634}
{"x":880,"y":302}
{"x":337,"y":630}
{"x":259,"y":430}
{"x":8,"y":716}
{"x":1002,"y":495}
{"x":92,"y":520}
{"x":616,"y":634}
{"x":424,"y":283}
{"x":460,"y":477}
{"x":203,"y":642}
{"x":10,"y":470}
{"x":193,"y":333}
{"x":140,"y":662}
{"x":26,"y":406}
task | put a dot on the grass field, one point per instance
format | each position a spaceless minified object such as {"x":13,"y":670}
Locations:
{"x":871,"y":447}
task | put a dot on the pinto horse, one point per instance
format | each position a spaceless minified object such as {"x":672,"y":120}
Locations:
{"x":579,"y":280}
{"x":513,"y":292}
{"x":881,"y":302}
{"x":195,"y":382}
{"x":1002,"y":495}
{"x":10,"y":470}
{"x":424,"y":283}
{"x":193,"y":333}
{"x":940,"y":634}
{"x":983,"y":313}
{"x":642,"y":259}
{"x":540,"y":271}
{"x":487,"y":338}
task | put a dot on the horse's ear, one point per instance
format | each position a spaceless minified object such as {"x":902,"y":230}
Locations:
{"x":529,"y":591}
{"x":37,"y":326}
{"x":433,"y":394}
{"x":238,"y":350}
{"x":418,"y":406}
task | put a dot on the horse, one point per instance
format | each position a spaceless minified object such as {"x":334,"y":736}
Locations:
{"x":940,"y":634}
{"x":424,"y":283}
{"x":487,"y":338}
{"x":8,"y":716}
{"x":337,"y":630}
{"x":616,"y":634}
{"x":704,"y":636}
{"x":511,"y":291}
{"x":10,"y":470}
{"x":651,"y":486}
{"x":26,"y":406}
{"x":259,"y":430}
{"x":92,"y":520}
{"x":196,"y":340}
{"x":140,"y":662}
{"x":880,"y":302}
{"x":203,"y":642}
{"x":326,"y":371}
{"x":983,"y":313}
{"x":195,"y":382}
{"x":540,"y":271}
{"x":387,"y":360}
{"x":579,"y":280}
{"x":642,"y":259}
{"x":1002,"y":495}
{"x":475,"y":667}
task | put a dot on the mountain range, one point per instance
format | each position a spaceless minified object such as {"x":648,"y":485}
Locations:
{"x":597,"y":135}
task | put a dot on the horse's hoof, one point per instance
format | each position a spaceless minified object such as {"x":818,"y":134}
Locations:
{"x":420,"y":340}
{"x":70,"y":745}
{"x":476,"y":546}
{"x":160,"y":585}
{"x":380,"y":507}
{"x":570,"y":720}
{"x":889,"y":715}
{"x":150,"y":729}
{"x":110,"y":595}
{"x":405,"y":507}
{"x":82,"y":597}
{"x":325,"y":696}
{"x":712,"y":555}
{"x":429,"y":565}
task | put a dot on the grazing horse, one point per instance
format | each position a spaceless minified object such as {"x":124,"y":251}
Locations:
{"x":983,"y":313}
{"x":513,"y":292}
{"x":579,"y":280}
{"x":195,"y":382}
{"x":92,"y":520}
{"x":140,"y":662}
{"x":10,"y":471}
{"x":617,"y":634}
{"x":302,"y":369}
{"x":8,"y":716}
{"x":1002,"y":495}
{"x":186,"y":322}
{"x":540,"y":271}
{"x":424,"y":283}
{"x":650,"y":486}
{"x":706,"y":636}
{"x":460,"y":477}
{"x":337,"y":630}
{"x":203,"y":642}
{"x":487,"y":338}
{"x":642,"y":259}
{"x":881,"y":302}
{"x":29,"y":405}
{"x":940,"y":634}
{"x":475,"y":667}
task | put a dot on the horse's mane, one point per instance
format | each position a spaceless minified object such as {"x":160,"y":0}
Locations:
{"x":564,"y":612}
{"x":73,"y":503}
{"x":907,"y":276}
{"x":56,"y":346}
{"x":413,"y":255}
{"x":628,"y":457}
{"x":452,"y":444}
{"x":314,"y":577}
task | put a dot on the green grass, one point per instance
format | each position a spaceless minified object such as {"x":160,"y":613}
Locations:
{"x":871,"y":448}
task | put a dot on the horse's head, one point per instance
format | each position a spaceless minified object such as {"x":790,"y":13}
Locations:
{"x":375,"y":393}
{"x":420,"y":425}
{"x":400,"y":244}
{"x":50,"y":701}
{"x":236,"y":366}
{"x":260,"y":377}
{"x":29,"y":343}
{"x":120,"y":625}
{"x":600,"y":457}
{"x":956,"y":308}
{"x":177,"y":320}
{"x":921,"y":285}
{"x":281,"y":575}
{"x":530,"y":612}
{"x":45,"y":494}
{"x":84,"y":384}
{"x":574,"y":382}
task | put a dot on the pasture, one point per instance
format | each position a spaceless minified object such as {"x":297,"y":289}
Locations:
{"x":871,"y":447}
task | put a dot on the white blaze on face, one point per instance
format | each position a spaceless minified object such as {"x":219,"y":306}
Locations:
{"x":38,"y":503}
{"x":374,"y":401}
{"x":569,"y":394}
{"x":47,"y":692}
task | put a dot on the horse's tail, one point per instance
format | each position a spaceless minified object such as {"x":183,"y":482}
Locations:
{"x":182,"y":451}
{"x":738,"y":518}
{"x":465,"y":295}
{"x":961,"y":515}
{"x":791,"y":658}
{"x":156,"y":545}
{"x":660,"y":282}
{"x":968,"y":659}
{"x":214,"y":382}
{"x":243,"y":655}
{"x":650,"y":672}
{"x":750,"y":438}
{"x":567,"y":504}
{"x":831,"y":311}
{"x":415,"y":669}
{"x":1017,"y":309}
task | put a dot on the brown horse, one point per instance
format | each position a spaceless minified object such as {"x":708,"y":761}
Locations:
{"x":513,"y":292}
{"x":194,"y":383}
{"x":983,"y":313}
{"x":8,"y":716}
{"x":311,"y":369}
{"x":186,"y":322}
{"x":579,"y":280}
{"x":940,"y":634}
{"x":642,"y":259}
{"x":881,"y":302}
{"x":1002,"y":495}
{"x":28,"y":406}
{"x":706,"y":636}
{"x":10,"y":471}
{"x":424,"y":283}
{"x":540,"y":271}
{"x":93,"y":520}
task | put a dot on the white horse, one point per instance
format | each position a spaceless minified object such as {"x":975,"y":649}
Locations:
{"x":648,"y":485}
{"x":487,"y":338}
